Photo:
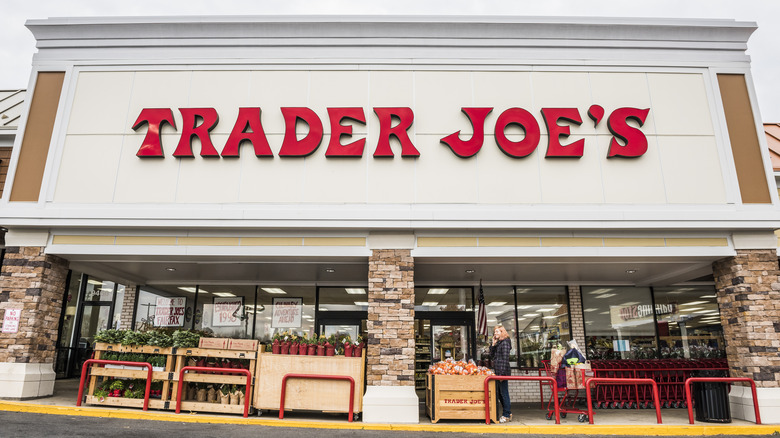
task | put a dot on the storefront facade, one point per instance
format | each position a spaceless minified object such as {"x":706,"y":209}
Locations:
{"x":602,"y":180}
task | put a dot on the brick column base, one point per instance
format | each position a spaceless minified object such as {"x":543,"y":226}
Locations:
{"x":577,"y":330}
{"x":390,"y":396}
{"x":34,"y":283}
{"x":128,"y":304}
{"x":749,"y":302}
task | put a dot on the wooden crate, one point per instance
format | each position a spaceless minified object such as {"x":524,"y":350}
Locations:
{"x":184,"y":354}
{"x":305,"y":394}
{"x":98,"y":372}
{"x":458,"y":397}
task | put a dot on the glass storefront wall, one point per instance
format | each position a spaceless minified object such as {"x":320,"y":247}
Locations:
{"x":267,"y":325}
{"x":542,"y":323}
{"x":440,"y":299}
{"x":631,"y":322}
{"x":689,"y":323}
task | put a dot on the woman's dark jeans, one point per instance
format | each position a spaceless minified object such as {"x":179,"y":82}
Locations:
{"x":502,"y":387}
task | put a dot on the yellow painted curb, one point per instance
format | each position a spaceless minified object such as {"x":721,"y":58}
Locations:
{"x":552,"y":429}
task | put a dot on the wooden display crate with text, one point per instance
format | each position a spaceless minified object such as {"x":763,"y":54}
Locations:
{"x":458,"y":397}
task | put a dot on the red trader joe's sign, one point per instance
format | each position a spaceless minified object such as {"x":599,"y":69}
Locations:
{"x":627,"y":141}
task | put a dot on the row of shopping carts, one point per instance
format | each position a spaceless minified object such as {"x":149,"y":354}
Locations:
{"x":669,"y":374}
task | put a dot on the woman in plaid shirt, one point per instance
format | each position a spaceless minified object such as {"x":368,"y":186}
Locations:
{"x":499,"y":351}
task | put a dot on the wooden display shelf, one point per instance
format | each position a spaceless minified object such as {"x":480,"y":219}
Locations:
{"x":304,"y":394}
{"x":125,"y":402}
{"x":458,"y":397}
{"x":182,"y":357}
{"x":119,"y":373}
{"x":193,"y":406}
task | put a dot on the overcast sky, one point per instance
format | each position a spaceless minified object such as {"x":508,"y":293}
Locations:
{"x":17,"y":44}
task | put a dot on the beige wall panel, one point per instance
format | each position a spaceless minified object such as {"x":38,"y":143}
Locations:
{"x":438,"y":99}
{"x":225,"y":91}
{"x":333,"y":180}
{"x":506,"y":180}
{"x":572,"y":180}
{"x":443,"y":177}
{"x":446,"y":241}
{"x":680,"y":105}
{"x":692,"y":172}
{"x":562,"y":90}
{"x":271,"y":179}
{"x":145,"y":240}
{"x":389,"y":180}
{"x":334,"y":241}
{"x":207,"y":241}
{"x":271,"y":241}
{"x":509,"y":241}
{"x":391,"y":89}
{"x":572,"y":241}
{"x":500,"y":91}
{"x":147,"y":180}
{"x":209,"y":180}
{"x":273,"y":90}
{"x":632,"y":180}
{"x":88,"y":169}
{"x":620,"y":90}
{"x":159,"y":89}
{"x":100,"y":103}
{"x":83,"y":240}
{"x":338,"y":89}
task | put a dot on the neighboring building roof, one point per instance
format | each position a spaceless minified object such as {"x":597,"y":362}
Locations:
{"x":772,"y":131}
{"x":11,"y":106}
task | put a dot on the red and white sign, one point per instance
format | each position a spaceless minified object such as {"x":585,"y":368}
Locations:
{"x":287,"y":312}
{"x":11,"y":320}
{"x":169,"y":312}
{"x":227,"y":311}
{"x":628,"y":141}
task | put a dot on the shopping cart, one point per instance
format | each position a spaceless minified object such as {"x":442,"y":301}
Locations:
{"x":566,"y":398}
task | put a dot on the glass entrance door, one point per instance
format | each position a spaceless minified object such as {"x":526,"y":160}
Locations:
{"x":439,"y":336}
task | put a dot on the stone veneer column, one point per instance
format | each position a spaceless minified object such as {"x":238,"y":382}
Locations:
{"x":749,"y":302}
{"x":128,"y":304}
{"x":390,"y":396}
{"x":33,"y":282}
{"x":576,"y":316}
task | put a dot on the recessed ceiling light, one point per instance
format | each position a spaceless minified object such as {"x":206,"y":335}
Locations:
{"x":522,"y":291}
{"x":170,"y":269}
{"x":497,"y":303}
{"x":495,"y":313}
{"x":603,"y":313}
{"x":330,"y":270}
{"x":274,"y":290}
{"x":430,"y":303}
{"x":630,"y":271}
{"x":437,"y":291}
{"x":524,"y":307}
{"x":223,"y":294}
{"x":591,"y":309}
{"x":708,"y":296}
{"x":545,"y":310}
{"x":356,"y":291}
{"x":192,"y":290}
{"x":521,"y":319}
{"x":361,"y":303}
{"x":630,"y":303}
{"x":469,"y":271}
{"x":549,"y":317}
{"x":605,"y":295}
{"x":95,"y":282}
{"x":600,"y":291}
{"x":694,"y":302}
{"x":531,"y":315}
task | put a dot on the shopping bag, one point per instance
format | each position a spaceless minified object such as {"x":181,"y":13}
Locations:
{"x":556,"y":357}
{"x":572,"y":381}
{"x":583,"y":372}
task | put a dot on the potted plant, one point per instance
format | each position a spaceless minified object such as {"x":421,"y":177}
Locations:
{"x":202,"y":394}
{"x":234,"y":395}
{"x":330,"y":346}
{"x":211,"y":394}
{"x":224,"y":394}
{"x":294,"y":345}
{"x":348,"y":346}
{"x":115,"y":388}
{"x":286,"y":344}
{"x":321,"y":345}
{"x":358,"y":350}
{"x":312,"y":346}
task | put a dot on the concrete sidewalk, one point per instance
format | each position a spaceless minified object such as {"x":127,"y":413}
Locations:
{"x":527,"y":419}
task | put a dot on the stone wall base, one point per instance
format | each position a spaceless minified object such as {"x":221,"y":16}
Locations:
{"x":741,"y":403}
{"x":22,"y":381}
{"x":391,"y":404}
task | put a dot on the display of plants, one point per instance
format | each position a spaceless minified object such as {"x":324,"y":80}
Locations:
{"x":133,"y":338}
{"x":110,"y":336}
{"x":159,"y":338}
{"x":185,"y":339}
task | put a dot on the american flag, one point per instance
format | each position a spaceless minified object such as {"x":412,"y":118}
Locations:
{"x":481,"y":314}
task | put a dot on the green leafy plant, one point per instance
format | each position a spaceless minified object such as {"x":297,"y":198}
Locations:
{"x":110,"y":336}
{"x":159,"y":338}
{"x":224,"y":389}
{"x":117,"y":384}
{"x":101,"y":393}
{"x":135,"y":338}
{"x":185,"y":339}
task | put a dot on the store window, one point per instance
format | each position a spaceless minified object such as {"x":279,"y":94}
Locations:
{"x":542,"y":323}
{"x":294,"y":312}
{"x":619,"y":323}
{"x":439,"y":299}
{"x":689,"y":323}
{"x":172,"y":300}
{"x":340,"y":299}
{"x":500,"y":309}
{"x":226,"y":311}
